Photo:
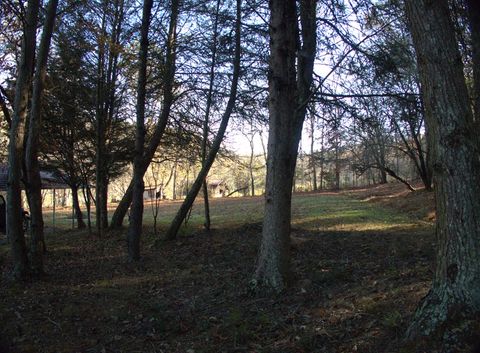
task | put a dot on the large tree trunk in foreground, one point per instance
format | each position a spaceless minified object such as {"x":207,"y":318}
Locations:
{"x":34,"y":183}
{"x":136,"y":214}
{"x":288,"y":98}
{"x":473,"y":11}
{"x":168,"y":98}
{"x":193,"y":192}
{"x":15,"y":147}
{"x":454,"y":298}
{"x":273,"y":264}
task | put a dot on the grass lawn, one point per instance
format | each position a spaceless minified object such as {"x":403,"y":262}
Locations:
{"x":360,"y":268}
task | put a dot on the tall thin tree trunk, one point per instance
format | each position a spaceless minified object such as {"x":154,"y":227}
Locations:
{"x":174,"y":182}
{"x":193,"y":192}
{"x":15,"y":147}
{"x":337,"y":165}
{"x":86,"y":195}
{"x":312,"y":152}
{"x":206,"y":120}
{"x":100,"y":118}
{"x":322,"y":157}
{"x":107,"y":77}
{"x":273,"y":264}
{"x":454,"y":299}
{"x":76,"y":207}
{"x":250,"y":166}
{"x":136,"y":214}
{"x":288,"y":97}
{"x":34,"y":183}
{"x":168,"y":98}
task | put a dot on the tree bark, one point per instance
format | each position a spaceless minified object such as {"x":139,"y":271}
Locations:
{"x":168,"y":98}
{"x":313,"y":162}
{"x":100,"y":172}
{"x":34,"y":183}
{"x":107,"y":78}
{"x":207,"y":116}
{"x":76,"y":207}
{"x":288,"y":97}
{"x":15,"y":147}
{"x":136,"y":214}
{"x":86,"y":196}
{"x":473,"y":11}
{"x":454,"y":297}
{"x":250,"y":166}
{"x":195,"y":188}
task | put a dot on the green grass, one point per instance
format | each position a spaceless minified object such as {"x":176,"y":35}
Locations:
{"x":311,"y":212}
{"x":340,"y":213}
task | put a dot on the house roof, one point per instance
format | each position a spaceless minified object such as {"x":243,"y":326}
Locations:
{"x":215,"y":182}
{"x":49,"y":180}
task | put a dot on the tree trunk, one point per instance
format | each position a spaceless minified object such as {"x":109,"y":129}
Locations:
{"x":473,"y":10}
{"x":34,"y":183}
{"x":101,"y":198}
{"x":312,"y":153}
{"x":252,"y":177}
{"x":174,"y":182}
{"x":288,"y":97}
{"x":136,"y":214}
{"x":193,"y":192}
{"x":100,"y":118}
{"x":86,"y":195}
{"x":15,"y":147}
{"x":207,"y":114}
{"x":322,"y":157}
{"x":337,"y":166}
{"x":273,"y":263}
{"x":454,"y":297}
{"x":107,"y":78}
{"x":76,"y":207}
{"x":168,"y":98}
{"x":383,"y":176}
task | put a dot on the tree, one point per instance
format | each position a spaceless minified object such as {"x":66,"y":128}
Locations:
{"x":167,"y":102}
{"x":208,"y":106}
{"x":109,"y":36}
{"x":454,"y":299}
{"x":69,"y":104}
{"x":289,"y":92}
{"x":33,"y":180}
{"x":210,"y":158}
{"x":136,"y":215}
{"x":16,"y":144}
{"x":473,"y":11}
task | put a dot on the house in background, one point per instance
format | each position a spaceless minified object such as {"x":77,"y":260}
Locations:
{"x":217,"y":188}
{"x":49,"y":182}
{"x":150,"y":194}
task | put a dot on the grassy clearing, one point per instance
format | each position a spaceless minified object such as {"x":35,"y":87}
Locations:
{"x":360,"y":268}
{"x":311,"y":212}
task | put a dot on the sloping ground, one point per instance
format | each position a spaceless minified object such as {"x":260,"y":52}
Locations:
{"x":359,"y":271}
{"x":419,"y":204}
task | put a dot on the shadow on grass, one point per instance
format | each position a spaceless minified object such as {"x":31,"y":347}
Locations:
{"x":353,"y":291}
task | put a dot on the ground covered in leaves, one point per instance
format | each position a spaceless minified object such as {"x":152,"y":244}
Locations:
{"x":360,"y":268}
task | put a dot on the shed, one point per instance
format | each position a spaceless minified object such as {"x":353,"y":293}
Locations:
{"x":217,"y":188}
{"x":49,"y":182}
